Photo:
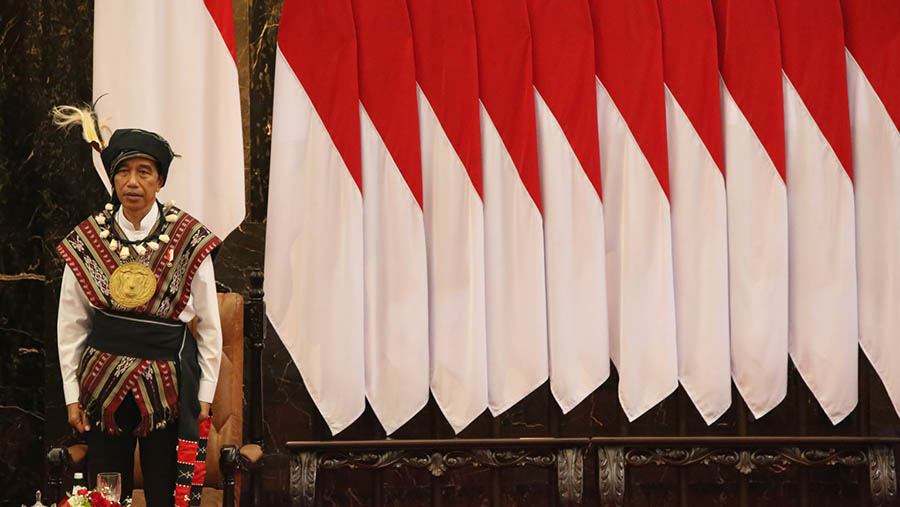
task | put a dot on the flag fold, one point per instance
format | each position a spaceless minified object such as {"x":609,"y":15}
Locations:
{"x":569,"y":163}
{"x":447,"y":93}
{"x":314,"y":240}
{"x":515,"y":299}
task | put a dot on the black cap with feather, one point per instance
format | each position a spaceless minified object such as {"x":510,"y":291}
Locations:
{"x":130,"y":143}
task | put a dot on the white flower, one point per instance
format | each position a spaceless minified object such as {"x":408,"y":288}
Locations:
{"x":170,"y":204}
{"x":164,"y":238}
{"x":124,"y":253}
{"x":171,"y":217}
{"x":113,"y":244}
{"x":108,"y":207}
{"x":100,"y":219}
{"x":104,"y":233}
{"x":153,"y":245}
{"x":140,"y":249}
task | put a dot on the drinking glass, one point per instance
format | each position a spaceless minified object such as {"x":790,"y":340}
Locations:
{"x":110,"y":485}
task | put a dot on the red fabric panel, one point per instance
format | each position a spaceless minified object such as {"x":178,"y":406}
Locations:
{"x":318,"y":40}
{"x":387,"y":82}
{"x":812,"y":56}
{"x":506,"y":83}
{"x":563,"y":44}
{"x":182,"y":494}
{"x":750,"y":64}
{"x":872,"y":34}
{"x":223,"y":15}
{"x":691,"y":67}
{"x":447,"y":72}
{"x":628,"y":57}
{"x":199,"y":473}
{"x":187,"y":451}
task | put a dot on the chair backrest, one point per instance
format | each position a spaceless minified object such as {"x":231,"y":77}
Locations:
{"x":228,"y":404}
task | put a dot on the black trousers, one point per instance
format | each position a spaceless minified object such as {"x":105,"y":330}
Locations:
{"x":115,"y":453}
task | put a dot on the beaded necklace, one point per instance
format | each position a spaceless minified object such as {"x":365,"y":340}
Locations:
{"x":121,"y":245}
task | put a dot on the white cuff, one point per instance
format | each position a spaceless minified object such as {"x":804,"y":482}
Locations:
{"x":207,"y":391}
{"x":71,"y":392}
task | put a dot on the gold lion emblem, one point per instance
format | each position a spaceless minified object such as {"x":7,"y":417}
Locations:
{"x":132,"y":284}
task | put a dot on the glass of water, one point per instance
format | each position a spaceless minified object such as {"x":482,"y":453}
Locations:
{"x":110,"y":485}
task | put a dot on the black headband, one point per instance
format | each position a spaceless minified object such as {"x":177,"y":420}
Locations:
{"x":130,"y":143}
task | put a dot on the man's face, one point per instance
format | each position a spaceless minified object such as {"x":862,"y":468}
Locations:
{"x":137,"y":181}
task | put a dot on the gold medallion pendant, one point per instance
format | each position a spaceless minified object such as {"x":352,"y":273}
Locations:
{"x":132,"y":284}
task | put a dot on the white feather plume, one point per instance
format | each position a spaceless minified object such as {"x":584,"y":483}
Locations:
{"x":66,"y":117}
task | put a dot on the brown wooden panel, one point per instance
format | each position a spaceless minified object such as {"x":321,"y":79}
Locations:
{"x":652,"y":486}
{"x":766,"y":488}
{"x":527,"y":486}
{"x":712,"y":486}
{"x":464,"y":487}
{"x":838,"y":486}
{"x":405,"y":487}
{"x":345,"y":488}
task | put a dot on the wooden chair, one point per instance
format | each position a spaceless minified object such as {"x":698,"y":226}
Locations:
{"x":224,"y":456}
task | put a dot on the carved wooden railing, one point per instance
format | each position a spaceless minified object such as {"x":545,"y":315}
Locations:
{"x":255,"y":326}
{"x":614,"y":456}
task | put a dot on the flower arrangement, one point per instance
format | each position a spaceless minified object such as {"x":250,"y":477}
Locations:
{"x":91,"y":498}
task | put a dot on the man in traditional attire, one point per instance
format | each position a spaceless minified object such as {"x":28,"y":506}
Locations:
{"x":136,"y":273}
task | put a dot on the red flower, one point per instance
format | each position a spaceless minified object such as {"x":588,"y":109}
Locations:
{"x":97,"y":500}
{"x":64,"y":503}
{"x":82,"y":491}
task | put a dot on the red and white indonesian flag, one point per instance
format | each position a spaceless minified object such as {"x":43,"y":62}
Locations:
{"x":822,"y":241}
{"x":447,"y":76}
{"x":872,"y":38}
{"x":632,"y":131}
{"x":753,"y":133}
{"x":396,"y":284}
{"x":699,"y":215}
{"x":314,"y":244}
{"x":569,"y":161}
{"x":177,"y":76}
{"x":514,"y":239}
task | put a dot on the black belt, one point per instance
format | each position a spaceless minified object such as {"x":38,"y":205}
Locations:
{"x":156,"y":339}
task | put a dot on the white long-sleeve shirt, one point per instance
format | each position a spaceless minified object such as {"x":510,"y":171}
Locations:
{"x":76,"y":315}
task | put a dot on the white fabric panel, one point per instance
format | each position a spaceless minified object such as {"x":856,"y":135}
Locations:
{"x":822,"y":307}
{"x":514,"y":277}
{"x":578,"y":327}
{"x":396,"y":286}
{"x":175,"y":76}
{"x":876,"y":179}
{"x":454,"y":240}
{"x":314,"y":254}
{"x":639,"y":278}
{"x":757,"y":263}
{"x":700,"y":258}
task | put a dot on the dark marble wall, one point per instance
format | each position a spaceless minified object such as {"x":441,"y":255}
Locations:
{"x":48,"y":184}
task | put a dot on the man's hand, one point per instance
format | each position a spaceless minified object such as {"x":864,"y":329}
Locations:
{"x":204,"y":411}
{"x":77,"y":417}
